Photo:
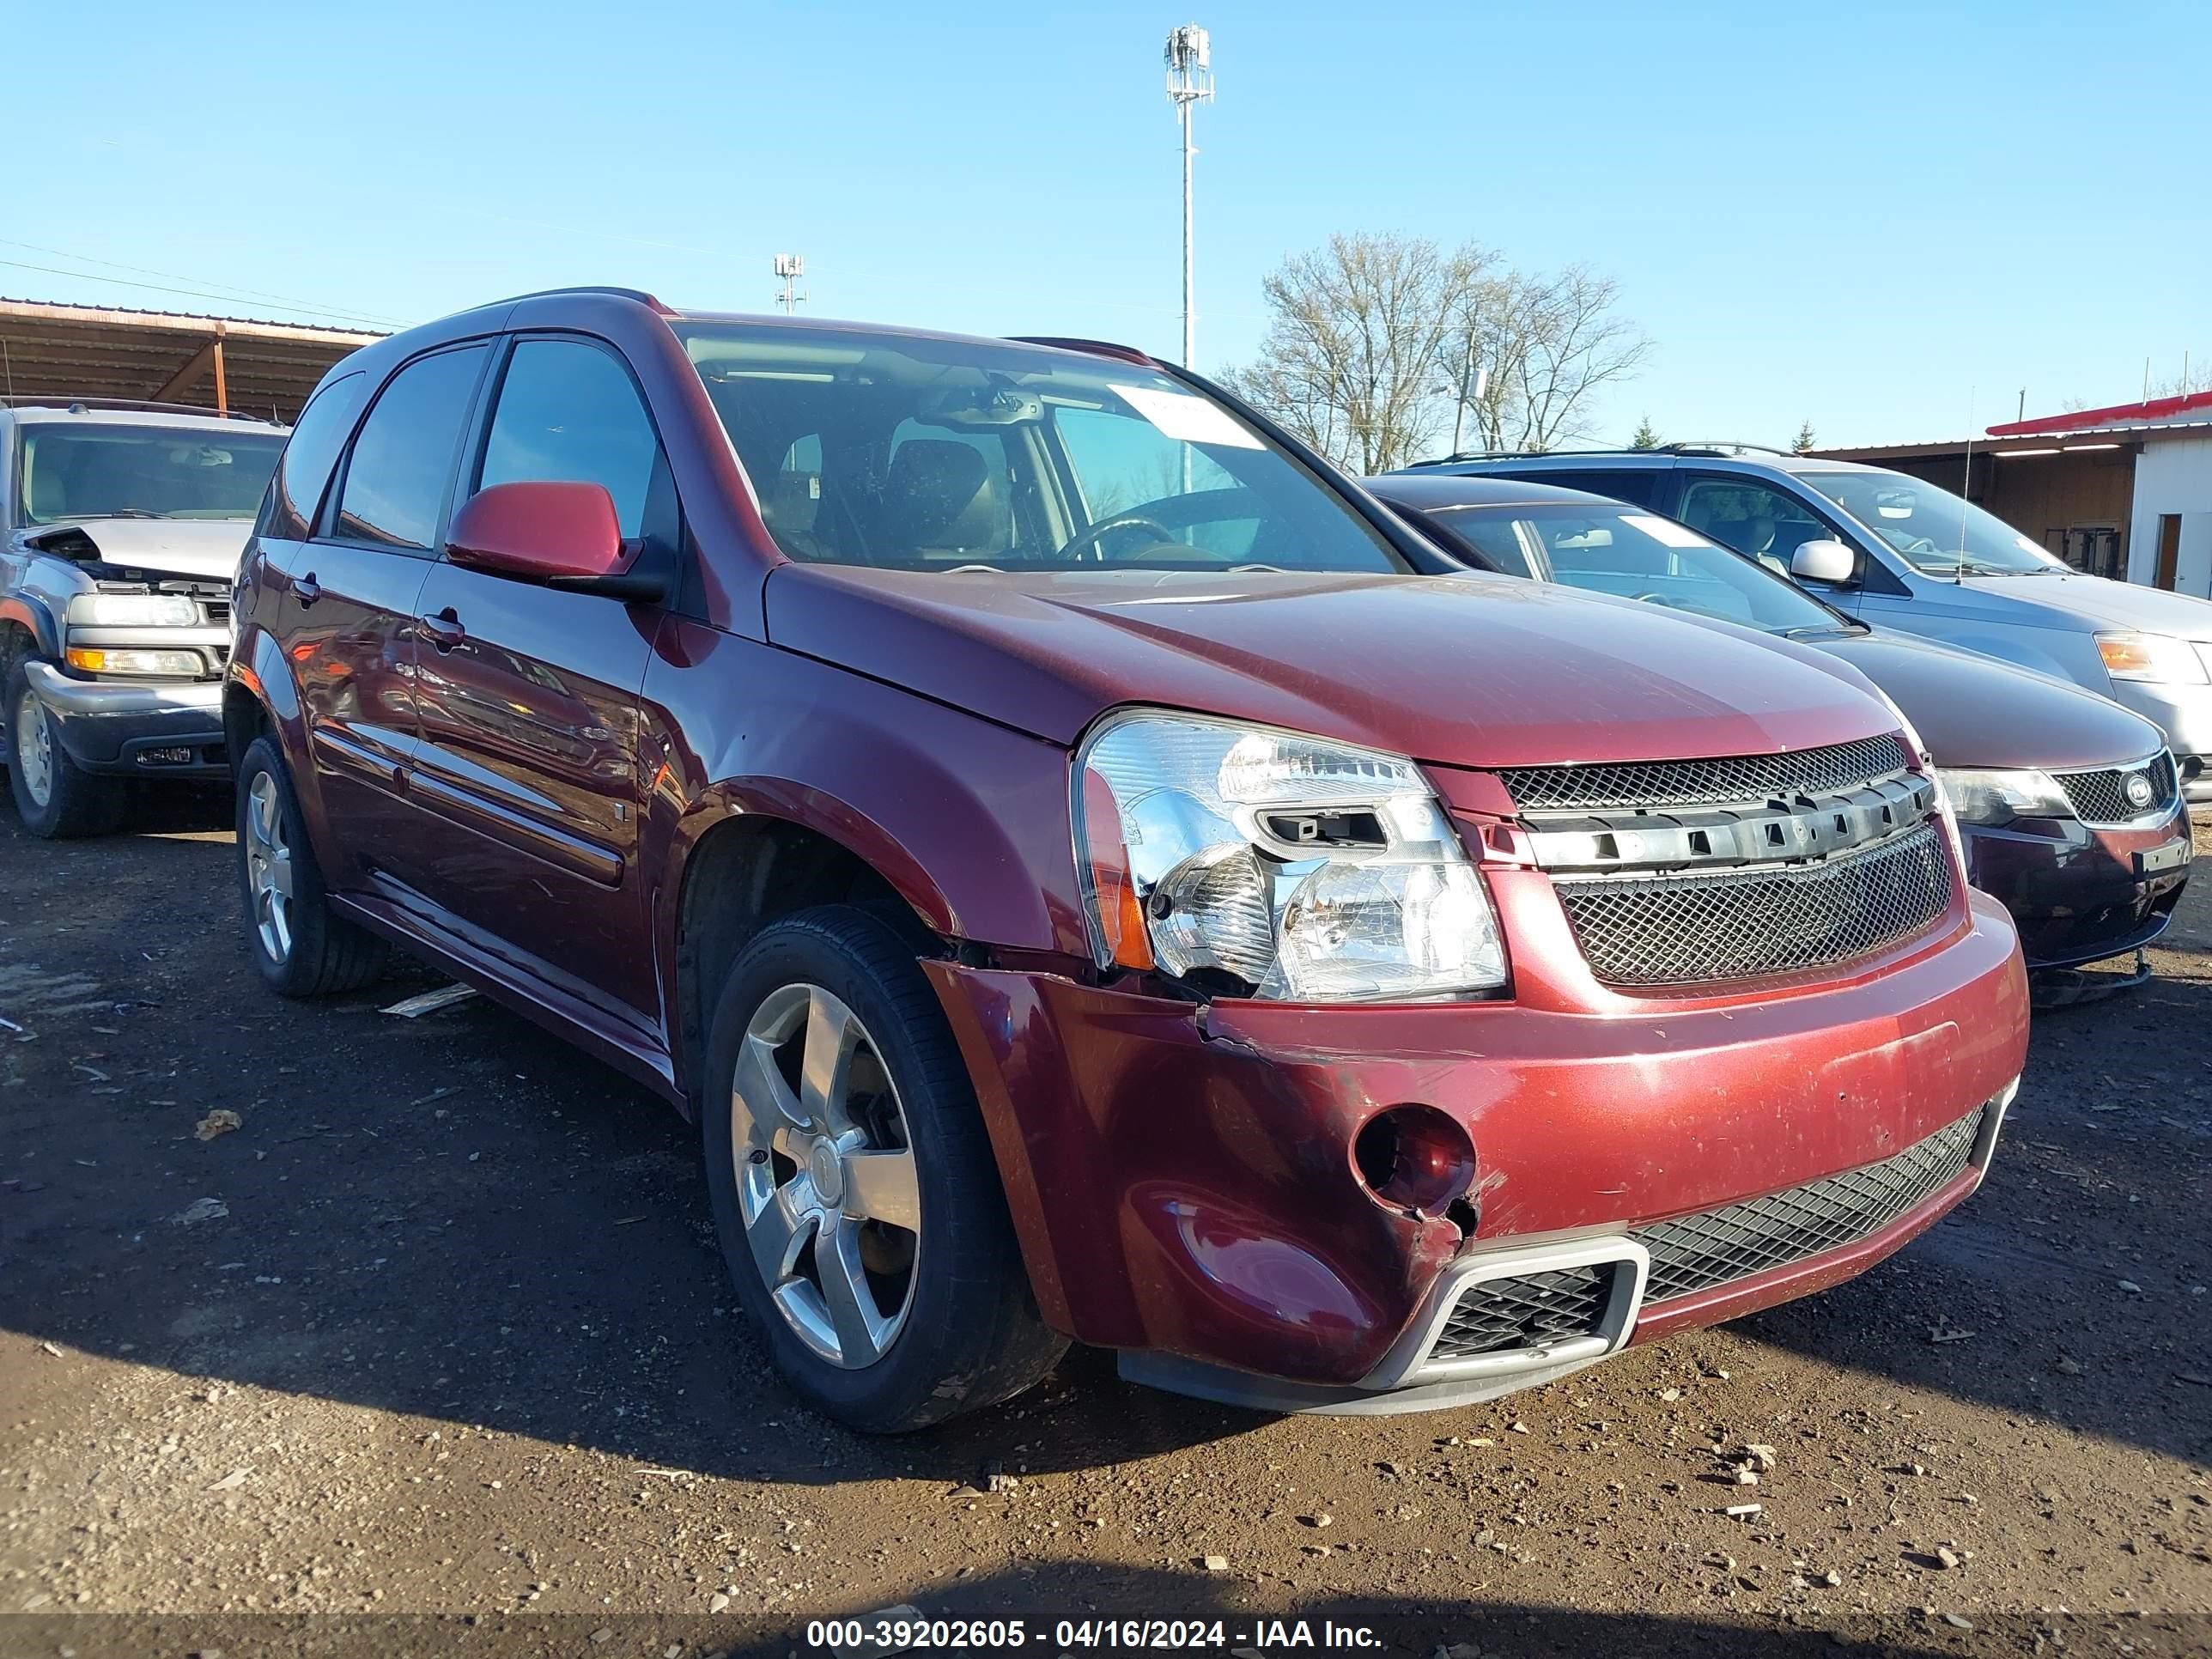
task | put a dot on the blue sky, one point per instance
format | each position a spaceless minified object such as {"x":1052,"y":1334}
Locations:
{"x":1884,"y":219}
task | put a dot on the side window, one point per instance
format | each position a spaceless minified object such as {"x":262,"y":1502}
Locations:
{"x":1489,"y":536}
{"x":309,"y":455}
{"x":568,"y":414}
{"x":395,"y":480}
{"x":1742,"y":513}
{"x":1638,"y":485}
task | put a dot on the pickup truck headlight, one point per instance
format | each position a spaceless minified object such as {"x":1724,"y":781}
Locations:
{"x":2150,"y":657}
{"x":1254,"y":862}
{"x":1986,"y":797}
{"x":134,"y":611}
{"x":131,"y":659}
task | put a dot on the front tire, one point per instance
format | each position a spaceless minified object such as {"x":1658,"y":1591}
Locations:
{"x":853,"y":1182}
{"x":300,"y":946}
{"x":57,"y":798}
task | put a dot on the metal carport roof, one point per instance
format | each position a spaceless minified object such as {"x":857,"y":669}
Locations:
{"x":51,"y":350}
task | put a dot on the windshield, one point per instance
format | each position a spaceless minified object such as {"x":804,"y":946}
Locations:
{"x":1638,"y":555}
{"x":907,"y":452}
{"x":106,"y":471}
{"x":1934,"y":531}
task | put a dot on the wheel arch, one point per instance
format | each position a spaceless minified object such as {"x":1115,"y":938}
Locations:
{"x":742,"y":870}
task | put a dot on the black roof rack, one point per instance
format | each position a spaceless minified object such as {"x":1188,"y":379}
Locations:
{"x":142,"y":405}
{"x":1686,"y":446}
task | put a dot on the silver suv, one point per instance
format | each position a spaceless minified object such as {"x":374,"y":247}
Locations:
{"x":1903,"y":554}
{"x":123,"y":524}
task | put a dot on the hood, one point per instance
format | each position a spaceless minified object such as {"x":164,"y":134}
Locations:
{"x":205,"y":547}
{"x":1974,"y":711}
{"x":2071,"y":600}
{"x":1472,"y":671}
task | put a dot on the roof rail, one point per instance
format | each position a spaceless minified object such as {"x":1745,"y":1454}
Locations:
{"x":144,"y":405}
{"x":1515,"y":455}
{"x":1720,"y":447}
{"x":1094,"y":348}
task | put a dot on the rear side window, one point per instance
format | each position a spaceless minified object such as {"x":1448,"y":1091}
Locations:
{"x":313,"y":450}
{"x":568,"y":414}
{"x":1638,"y":486}
{"x":395,"y":481}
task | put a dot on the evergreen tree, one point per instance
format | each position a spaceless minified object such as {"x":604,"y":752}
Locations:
{"x":1645,"y":438}
{"x":1803,"y":445}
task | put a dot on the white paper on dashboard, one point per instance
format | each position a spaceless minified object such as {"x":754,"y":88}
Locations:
{"x":1665,"y":531}
{"x":1188,"y":419}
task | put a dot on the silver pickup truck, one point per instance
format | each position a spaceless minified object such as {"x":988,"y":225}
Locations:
{"x":123,"y":524}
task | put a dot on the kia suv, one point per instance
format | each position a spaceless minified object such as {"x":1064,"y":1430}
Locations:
{"x":1903,"y":554}
{"x":1082,"y":877}
{"x":120,"y":527}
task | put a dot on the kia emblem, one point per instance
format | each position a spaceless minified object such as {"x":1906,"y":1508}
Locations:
{"x":2138,"y":789}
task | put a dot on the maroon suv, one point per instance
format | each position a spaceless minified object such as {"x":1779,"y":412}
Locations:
{"x":1083,"y":881}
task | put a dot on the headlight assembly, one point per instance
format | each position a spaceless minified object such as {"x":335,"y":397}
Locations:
{"x":1253,"y":862}
{"x":133,"y":611}
{"x":1987,"y":796}
{"x":2150,"y":657}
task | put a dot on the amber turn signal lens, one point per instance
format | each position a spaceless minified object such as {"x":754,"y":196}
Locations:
{"x":91,"y":661}
{"x":1121,"y":913}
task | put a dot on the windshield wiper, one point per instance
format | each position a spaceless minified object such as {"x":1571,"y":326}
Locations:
{"x":1814,"y":630}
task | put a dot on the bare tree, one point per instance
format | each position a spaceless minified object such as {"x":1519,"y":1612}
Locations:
{"x":1356,"y":331}
{"x":1526,"y":353}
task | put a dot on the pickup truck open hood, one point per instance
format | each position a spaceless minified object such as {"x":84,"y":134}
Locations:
{"x":1973,"y":711}
{"x":1475,"y":670}
{"x":2099,"y":604}
{"x":201,"y":548}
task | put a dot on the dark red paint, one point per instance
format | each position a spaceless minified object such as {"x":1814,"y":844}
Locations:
{"x":520,"y":781}
{"x":539,"y":532}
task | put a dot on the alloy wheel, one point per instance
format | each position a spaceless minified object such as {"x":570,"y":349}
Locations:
{"x":826,"y":1181}
{"x":34,"y":748}
{"x":269,"y":867}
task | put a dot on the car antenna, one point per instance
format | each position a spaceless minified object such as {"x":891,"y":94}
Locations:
{"x":1965,"y":489}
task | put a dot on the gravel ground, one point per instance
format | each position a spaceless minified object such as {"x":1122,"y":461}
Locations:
{"x":431,"y":1352}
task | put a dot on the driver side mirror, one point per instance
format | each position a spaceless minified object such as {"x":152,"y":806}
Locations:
{"x":558,"y":534}
{"x":1824,"y":560}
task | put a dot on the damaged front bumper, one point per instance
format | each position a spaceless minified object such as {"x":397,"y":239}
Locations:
{"x":1184,"y":1182}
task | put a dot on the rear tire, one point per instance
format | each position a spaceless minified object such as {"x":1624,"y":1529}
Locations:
{"x":837,"y":1110}
{"x":300,"y":946}
{"x":57,"y":798}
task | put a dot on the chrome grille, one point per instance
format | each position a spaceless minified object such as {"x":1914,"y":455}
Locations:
{"x":1497,"y":1316}
{"x":1691,"y":929}
{"x":1731,"y":778}
{"x":1718,"y":1247}
{"x":2101,"y":797}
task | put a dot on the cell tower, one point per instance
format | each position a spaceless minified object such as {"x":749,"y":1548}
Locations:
{"x":790,"y":267}
{"x":1189,"y":57}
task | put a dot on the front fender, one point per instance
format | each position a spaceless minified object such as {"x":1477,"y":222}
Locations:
{"x":966,"y":820}
{"x":29,"y":612}
{"x":259,"y":670}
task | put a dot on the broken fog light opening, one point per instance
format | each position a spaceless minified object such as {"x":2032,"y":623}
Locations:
{"x":1253,"y":862}
{"x":1415,"y":1157}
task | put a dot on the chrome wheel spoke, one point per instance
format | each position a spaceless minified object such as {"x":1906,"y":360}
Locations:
{"x":778,"y":1232}
{"x":883,"y":1187}
{"x":832,"y":1033}
{"x":863,"y":1333}
{"x":767,"y":1112}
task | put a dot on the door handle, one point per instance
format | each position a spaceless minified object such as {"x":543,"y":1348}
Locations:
{"x":444,"y":630}
{"x":306,"y":589}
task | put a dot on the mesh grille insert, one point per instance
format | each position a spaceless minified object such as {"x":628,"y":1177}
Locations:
{"x":1675,"y":930}
{"x":1718,"y":1247}
{"x":1500,"y":1315}
{"x":1681,"y":783}
{"x":2101,"y":797}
